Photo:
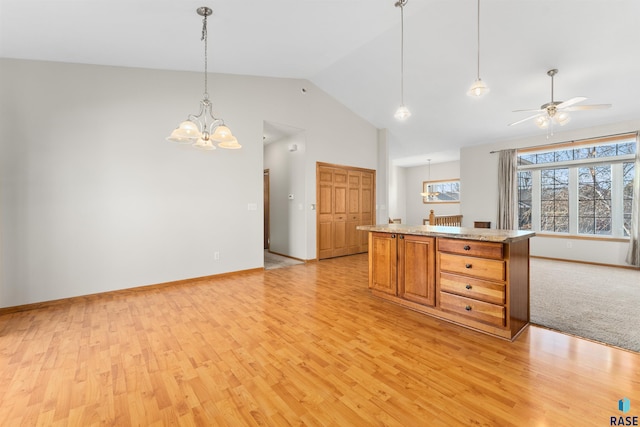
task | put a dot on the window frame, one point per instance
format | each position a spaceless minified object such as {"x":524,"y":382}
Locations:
{"x":616,"y":165}
{"x":427,"y":184}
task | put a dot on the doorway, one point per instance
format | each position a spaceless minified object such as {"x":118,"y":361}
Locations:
{"x":265,"y":181}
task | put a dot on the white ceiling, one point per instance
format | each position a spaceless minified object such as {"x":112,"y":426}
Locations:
{"x":351,"y":49}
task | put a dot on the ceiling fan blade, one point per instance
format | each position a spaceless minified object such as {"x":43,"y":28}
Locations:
{"x":524,"y":120}
{"x":528,"y":111}
{"x":588,"y":107}
{"x":571,"y":102}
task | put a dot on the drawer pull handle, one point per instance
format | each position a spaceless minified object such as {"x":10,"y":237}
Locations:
{"x":468,"y":308}
{"x":401,"y":236}
{"x":467,"y":266}
{"x":468,"y":286}
{"x":467,"y":248}
{"x":393,"y":236}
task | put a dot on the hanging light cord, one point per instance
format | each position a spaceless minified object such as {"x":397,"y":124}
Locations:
{"x":478,"y":39}
{"x":401,"y":4}
{"x":204,"y":38}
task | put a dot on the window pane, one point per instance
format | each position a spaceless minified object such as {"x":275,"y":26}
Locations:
{"x":554,"y":215}
{"x":563,"y":155}
{"x":525,"y":187}
{"x":544,"y":157}
{"x":526,"y":159}
{"x":594,"y":200}
{"x":626,"y":148}
{"x":585,"y":152}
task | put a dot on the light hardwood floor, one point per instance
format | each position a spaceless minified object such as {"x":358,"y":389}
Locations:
{"x":304,"y":345}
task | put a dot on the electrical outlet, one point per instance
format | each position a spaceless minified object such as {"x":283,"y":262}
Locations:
{"x":216,"y":256}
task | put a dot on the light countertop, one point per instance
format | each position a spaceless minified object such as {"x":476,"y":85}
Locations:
{"x":483,"y":234}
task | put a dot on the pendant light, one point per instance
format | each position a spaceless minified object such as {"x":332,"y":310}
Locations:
{"x":202,"y":130}
{"x":429,"y":195}
{"x":402,"y":113}
{"x":479,"y":88}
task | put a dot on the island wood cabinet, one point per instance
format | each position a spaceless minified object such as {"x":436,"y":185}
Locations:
{"x":403,"y":265}
{"x":482,"y":285}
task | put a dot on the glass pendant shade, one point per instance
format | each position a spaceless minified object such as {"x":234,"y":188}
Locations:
{"x":221,"y":134}
{"x":224,"y":138}
{"x":186,"y":133}
{"x":402,"y":113}
{"x":542,"y":122}
{"x":204,"y":144}
{"x":478,"y":89}
{"x":231,"y":144}
{"x":562,"y":118}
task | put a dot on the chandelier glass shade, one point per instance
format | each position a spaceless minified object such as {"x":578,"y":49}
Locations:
{"x":203,"y":130}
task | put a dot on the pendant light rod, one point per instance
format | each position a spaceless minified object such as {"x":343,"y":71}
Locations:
{"x":402,"y":113}
{"x":205,"y":12}
{"x":401,"y":4}
{"x":478,"y":88}
{"x":478,"y":28}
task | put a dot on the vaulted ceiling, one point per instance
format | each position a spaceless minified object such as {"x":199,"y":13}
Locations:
{"x":351,"y":50}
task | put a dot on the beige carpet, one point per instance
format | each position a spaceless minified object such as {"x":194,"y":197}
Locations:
{"x":272,"y":261}
{"x":594,"y":302}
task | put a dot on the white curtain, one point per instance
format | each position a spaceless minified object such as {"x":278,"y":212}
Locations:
{"x":507,"y":190}
{"x":633,"y":254}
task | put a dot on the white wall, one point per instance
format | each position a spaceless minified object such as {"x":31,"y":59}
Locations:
{"x":479,"y":195}
{"x":416,"y":210}
{"x":287,"y":177}
{"x":92,"y":197}
{"x":397,"y":193}
{"x":382,"y":178}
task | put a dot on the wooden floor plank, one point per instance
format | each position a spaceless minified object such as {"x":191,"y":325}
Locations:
{"x":305,"y":345}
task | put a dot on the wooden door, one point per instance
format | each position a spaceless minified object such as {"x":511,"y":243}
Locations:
{"x":324,"y":212}
{"x":416,"y":275}
{"x":354,"y":212}
{"x":340,"y":205}
{"x":344,"y":200}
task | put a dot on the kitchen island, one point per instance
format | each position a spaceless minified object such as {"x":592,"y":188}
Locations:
{"x":477,"y":278}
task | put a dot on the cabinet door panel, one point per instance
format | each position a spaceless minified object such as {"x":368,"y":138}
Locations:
{"x":383,"y":259}
{"x":416,"y":275}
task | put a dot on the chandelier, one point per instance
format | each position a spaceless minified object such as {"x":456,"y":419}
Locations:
{"x":202,"y":130}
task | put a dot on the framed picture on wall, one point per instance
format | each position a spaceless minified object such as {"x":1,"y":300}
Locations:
{"x":441,"y":191}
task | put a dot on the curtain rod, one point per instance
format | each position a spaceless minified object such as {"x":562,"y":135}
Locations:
{"x":573,"y":141}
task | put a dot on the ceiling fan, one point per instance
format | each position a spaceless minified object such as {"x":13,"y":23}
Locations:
{"x":557,"y":111}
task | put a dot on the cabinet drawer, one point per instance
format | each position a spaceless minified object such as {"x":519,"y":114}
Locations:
{"x":473,"y":309}
{"x":477,"y":267}
{"x":472,"y":248}
{"x":473,"y":288}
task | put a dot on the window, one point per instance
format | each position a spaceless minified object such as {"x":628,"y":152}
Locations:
{"x":446,"y":191}
{"x":578,"y":188}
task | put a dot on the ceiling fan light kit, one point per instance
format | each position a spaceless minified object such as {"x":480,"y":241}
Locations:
{"x":557,"y":112}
